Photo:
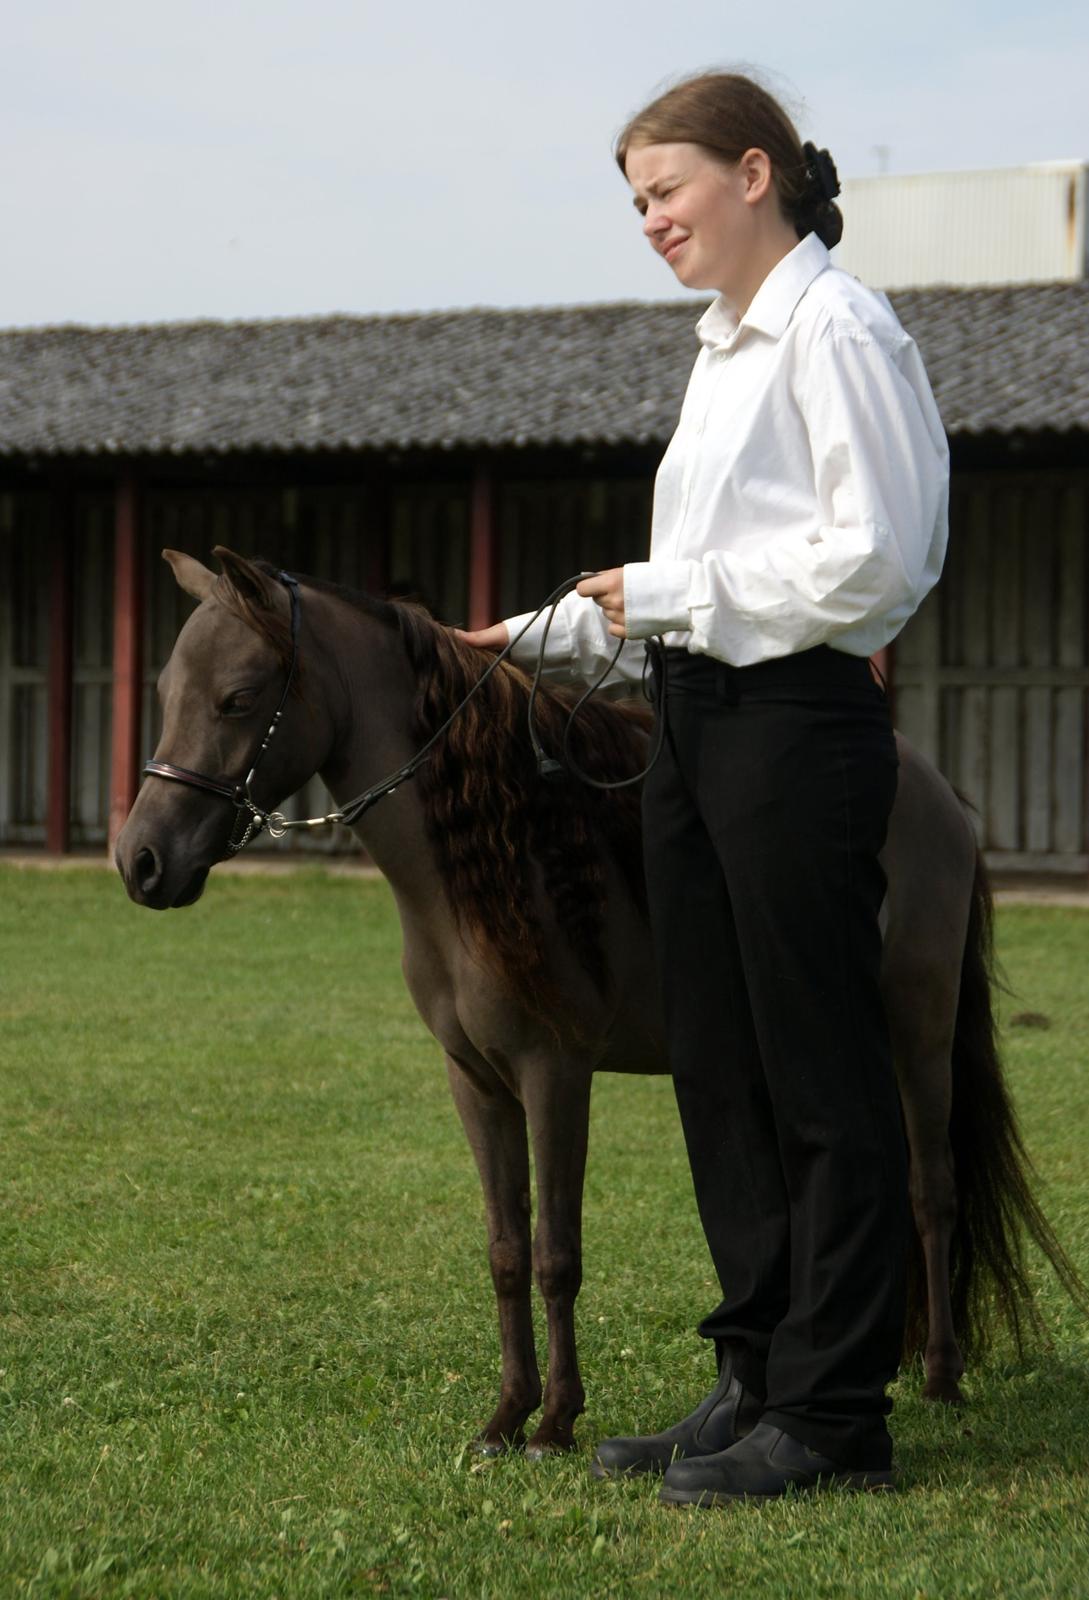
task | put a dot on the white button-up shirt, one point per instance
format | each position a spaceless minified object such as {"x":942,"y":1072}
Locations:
{"x":803,"y":499}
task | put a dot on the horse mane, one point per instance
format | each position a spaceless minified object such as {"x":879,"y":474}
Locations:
{"x":501,"y":833}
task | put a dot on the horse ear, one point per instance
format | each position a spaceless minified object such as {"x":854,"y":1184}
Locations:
{"x":248,"y":581}
{"x":194,"y":578}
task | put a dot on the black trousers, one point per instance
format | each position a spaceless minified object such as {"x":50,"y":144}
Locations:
{"x":763,"y":819}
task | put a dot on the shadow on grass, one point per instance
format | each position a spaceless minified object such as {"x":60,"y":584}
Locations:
{"x":1023,"y":1423}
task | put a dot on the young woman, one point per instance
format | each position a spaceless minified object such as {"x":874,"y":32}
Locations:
{"x":800,"y":516}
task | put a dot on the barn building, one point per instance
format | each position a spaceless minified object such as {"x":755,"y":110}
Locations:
{"x":475,"y":458}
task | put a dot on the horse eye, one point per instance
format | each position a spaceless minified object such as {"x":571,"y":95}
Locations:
{"x":236,"y":705}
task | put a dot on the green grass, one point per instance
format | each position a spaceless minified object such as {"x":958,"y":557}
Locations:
{"x":246,"y":1328}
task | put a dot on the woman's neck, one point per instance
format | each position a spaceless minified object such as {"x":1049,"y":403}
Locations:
{"x":771,"y":249}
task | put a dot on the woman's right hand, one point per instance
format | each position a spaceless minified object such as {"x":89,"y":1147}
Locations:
{"x":497,"y":637}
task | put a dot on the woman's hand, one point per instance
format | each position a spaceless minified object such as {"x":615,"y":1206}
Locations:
{"x":497,"y":637}
{"x":607,"y":588}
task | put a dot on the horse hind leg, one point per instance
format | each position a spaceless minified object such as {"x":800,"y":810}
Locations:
{"x":934,"y":1205}
{"x":495,"y":1126}
{"x":559,"y":1114}
{"x":924,"y":1064}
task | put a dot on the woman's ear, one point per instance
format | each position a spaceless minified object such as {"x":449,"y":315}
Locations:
{"x":755,"y":170}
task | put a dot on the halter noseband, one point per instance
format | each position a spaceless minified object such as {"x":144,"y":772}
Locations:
{"x":240,"y":794}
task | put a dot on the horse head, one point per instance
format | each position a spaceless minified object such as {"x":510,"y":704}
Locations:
{"x":219,"y":691}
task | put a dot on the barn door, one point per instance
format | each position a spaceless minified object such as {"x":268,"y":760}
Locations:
{"x":992,"y":675}
{"x":24,"y":667}
{"x":92,"y":667}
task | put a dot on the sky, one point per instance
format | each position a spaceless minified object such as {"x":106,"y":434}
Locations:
{"x":220,"y":158}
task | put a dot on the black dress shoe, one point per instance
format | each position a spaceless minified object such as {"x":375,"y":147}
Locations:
{"x":762,"y":1466}
{"x":723,"y":1417}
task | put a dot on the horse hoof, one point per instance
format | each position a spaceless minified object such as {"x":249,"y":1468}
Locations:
{"x":488,"y":1449}
{"x":944,"y":1391}
{"x":541,"y":1449}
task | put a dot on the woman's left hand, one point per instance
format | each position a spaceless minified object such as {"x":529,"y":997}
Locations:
{"x":607,"y":588}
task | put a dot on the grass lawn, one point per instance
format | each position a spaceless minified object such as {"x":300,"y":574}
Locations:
{"x":246,"y":1326}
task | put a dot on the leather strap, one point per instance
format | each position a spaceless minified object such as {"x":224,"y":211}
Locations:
{"x":166,"y":769}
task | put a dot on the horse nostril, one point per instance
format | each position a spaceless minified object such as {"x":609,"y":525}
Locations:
{"x":147,"y":870}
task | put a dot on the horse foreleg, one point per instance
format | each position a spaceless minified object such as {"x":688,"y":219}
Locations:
{"x":495,"y":1125}
{"x":559,"y":1114}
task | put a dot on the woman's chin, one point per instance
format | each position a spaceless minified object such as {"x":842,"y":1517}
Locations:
{"x":689,"y":275}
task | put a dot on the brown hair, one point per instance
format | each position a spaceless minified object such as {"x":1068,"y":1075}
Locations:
{"x":727,"y":114}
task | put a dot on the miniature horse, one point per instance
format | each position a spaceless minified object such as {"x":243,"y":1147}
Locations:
{"x":526,"y":948}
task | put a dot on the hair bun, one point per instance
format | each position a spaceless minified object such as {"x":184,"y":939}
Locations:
{"x":820,"y":172}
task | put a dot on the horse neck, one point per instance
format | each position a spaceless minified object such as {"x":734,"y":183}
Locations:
{"x":371,"y":689}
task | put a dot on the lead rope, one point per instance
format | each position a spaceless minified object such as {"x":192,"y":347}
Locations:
{"x":551,"y":768}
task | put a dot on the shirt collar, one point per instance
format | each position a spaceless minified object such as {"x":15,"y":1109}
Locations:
{"x":773,"y":303}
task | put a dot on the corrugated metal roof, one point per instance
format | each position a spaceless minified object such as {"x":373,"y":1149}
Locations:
{"x":1001,"y":360}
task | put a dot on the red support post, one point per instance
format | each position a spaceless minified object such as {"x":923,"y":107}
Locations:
{"x":483,"y":550}
{"x":127,"y":633}
{"x":59,"y":805}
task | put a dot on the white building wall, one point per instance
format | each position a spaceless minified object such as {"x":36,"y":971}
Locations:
{"x":1009,"y":225}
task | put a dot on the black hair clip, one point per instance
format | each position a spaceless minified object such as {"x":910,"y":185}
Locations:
{"x":821,"y":171}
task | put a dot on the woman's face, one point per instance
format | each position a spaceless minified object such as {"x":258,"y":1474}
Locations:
{"x":699,"y":214}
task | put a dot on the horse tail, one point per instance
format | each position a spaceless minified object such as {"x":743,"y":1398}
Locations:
{"x":996,"y":1206}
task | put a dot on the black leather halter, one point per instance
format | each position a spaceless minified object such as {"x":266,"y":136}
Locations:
{"x":249,"y":815}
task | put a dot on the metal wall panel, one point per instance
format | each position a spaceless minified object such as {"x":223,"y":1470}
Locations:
{"x":992,"y":674}
{"x":551,"y":528}
{"x":1010,"y":225}
{"x":429,"y":547}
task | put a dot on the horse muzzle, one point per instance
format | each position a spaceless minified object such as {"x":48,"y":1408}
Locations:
{"x":164,"y":853}
{"x":153,"y":880}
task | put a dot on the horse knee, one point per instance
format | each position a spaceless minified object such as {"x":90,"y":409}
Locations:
{"x":559,"y":1272}
{"x":510,"y":1268}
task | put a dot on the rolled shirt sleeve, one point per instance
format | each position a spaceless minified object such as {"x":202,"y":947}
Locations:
{"x":579,"y":645}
